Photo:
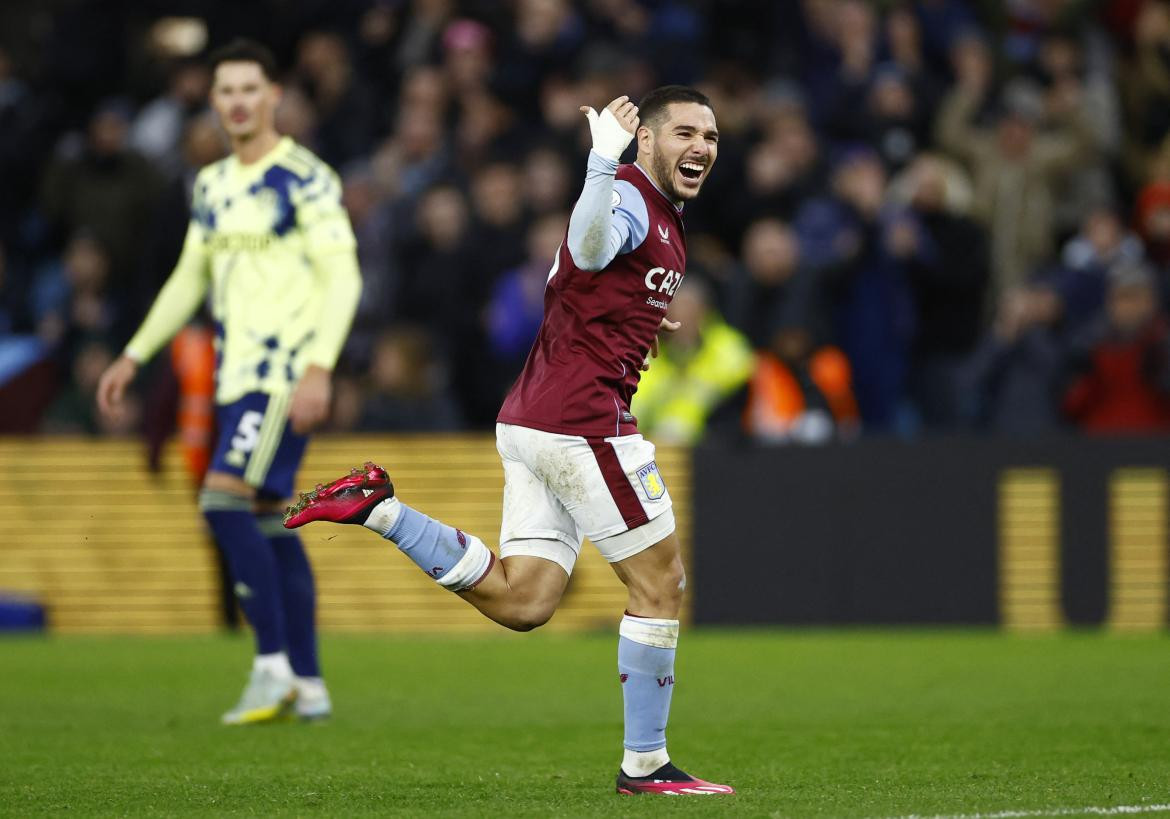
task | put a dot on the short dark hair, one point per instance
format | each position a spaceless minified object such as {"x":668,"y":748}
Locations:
{"x":241,"y":50}
{"x":652,"y":109}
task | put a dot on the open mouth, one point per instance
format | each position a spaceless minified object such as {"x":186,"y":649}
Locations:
{"x":691,"y":170}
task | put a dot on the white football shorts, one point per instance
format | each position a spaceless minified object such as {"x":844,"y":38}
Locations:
{"x":559,"y":489}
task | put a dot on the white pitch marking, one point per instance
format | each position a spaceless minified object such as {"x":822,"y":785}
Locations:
{"x":1118,"y":810}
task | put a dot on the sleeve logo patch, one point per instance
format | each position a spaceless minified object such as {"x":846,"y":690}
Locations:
{"x":615,"y":200}
{"x":652,"y":481}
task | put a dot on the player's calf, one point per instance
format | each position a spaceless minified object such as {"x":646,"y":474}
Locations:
{"x":456,"y":560}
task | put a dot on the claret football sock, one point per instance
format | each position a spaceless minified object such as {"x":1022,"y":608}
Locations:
{"x":253,"y":566}
{"x":646,"y":650}
{"x":458,"y":561}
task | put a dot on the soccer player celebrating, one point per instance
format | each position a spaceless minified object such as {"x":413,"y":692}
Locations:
{"x":574,"y":463}
{"x":269,"y":239}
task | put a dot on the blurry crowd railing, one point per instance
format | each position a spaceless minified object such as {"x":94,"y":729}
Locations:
{"x":928,"y":215}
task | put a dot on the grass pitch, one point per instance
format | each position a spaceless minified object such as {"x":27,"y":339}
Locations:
{"x":849,"y":724}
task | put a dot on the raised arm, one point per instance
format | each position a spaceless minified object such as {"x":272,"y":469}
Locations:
{"x":595,"y":235}
{"x":609,"y":218}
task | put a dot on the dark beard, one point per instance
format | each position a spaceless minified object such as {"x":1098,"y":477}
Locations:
{"x":665,"y":176}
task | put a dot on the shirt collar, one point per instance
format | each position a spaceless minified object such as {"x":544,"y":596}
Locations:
{"x":276,"y":153}
{"x":650,"y":179}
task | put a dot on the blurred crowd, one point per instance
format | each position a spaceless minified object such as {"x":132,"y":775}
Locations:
{"x":927,"y":215}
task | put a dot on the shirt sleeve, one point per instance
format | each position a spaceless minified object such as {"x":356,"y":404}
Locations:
{"x":178,"y":300}
{"x":332,"y":250}
{"x":609,"y":218}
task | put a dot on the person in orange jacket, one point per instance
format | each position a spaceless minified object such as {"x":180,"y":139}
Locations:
{"x":800,"y":392}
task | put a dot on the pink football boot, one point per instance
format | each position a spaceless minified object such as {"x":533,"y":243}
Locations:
{"x":670,"y":781}
{"x":349,"y":499}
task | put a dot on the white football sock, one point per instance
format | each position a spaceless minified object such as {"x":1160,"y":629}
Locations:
{"x":309,"y":686}
{"x":644,"y":763}
{"x":383,"y":516}
{"x":275,"y":664}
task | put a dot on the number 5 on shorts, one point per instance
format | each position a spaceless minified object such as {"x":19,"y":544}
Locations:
{"x":246,"y":437}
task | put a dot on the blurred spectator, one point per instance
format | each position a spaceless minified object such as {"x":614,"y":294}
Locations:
{"x":516,"y":306}
{"x":345,"y":107}
{"x":697,"y":368}
{"x":896,"y":122}
{"x":1015,"y":166}
{"x":28,"y":374}
{"x":768,"y":279}
{"x":296,"y":117}
{"x":24,"y":125}
{"x":907,"y":51}
{"x":12,"y":306}
{"x":1017,"y":372}
{"x":467,"y":55}
{"x":407,"y":388}
{"x":1122,"y":366}
{"x":158,"y":129}
{"x":545,"y":35}
{"x":547,"y":183}
{"x":421,"y":30}
{"x":560,"y":101}
{"x":1085,"y":261}
{"x":416,"y":157}
{"x":947,"y":264}
{"x":70,"y":300}
{"x":439,"y":258}
{"x":425,"y":88}
{"x":845,"y":49}
{"x":498,"y":224}
{"x":780,"y":172}
{"x":106,"y":188}
{"x":486,"y":128}
{"x":1065,"y":75}
{"x":876,"y":102}
{"x":944,"y":23}
{"x":439,"y":293}
{"x":374,"y":226}
{"x":1153,"y":226}
{"x":800,"y":391}
{"x":849,"y":238}
{"x":1146,"y":89}
{"x":74,"y":410}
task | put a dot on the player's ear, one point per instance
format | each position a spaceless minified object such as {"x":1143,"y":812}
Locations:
{"x":645,"y":137}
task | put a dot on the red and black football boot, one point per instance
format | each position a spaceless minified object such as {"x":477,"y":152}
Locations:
{"x":349,"y":499}
{"x":670,"y":781}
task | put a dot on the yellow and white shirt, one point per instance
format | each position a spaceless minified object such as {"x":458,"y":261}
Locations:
{"x":273,"y":244}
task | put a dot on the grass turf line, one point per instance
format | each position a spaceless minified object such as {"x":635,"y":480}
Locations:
{"x":804,"y":724}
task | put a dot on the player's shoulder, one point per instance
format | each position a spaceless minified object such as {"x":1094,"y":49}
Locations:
{"x":303,"y":163}
{"x":311,"y":177}
{"x":627,"y":196}
{"x":210,"y":173}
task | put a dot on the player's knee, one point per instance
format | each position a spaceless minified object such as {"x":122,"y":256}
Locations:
{"x":529,"y":616}
{"x":671,"y":583}
{"x":662,"y":593}
{"x":231,"y":484}
{"x":212,"y":501}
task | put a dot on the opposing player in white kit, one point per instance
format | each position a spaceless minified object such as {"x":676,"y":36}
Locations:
{"x":574,"y":463}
